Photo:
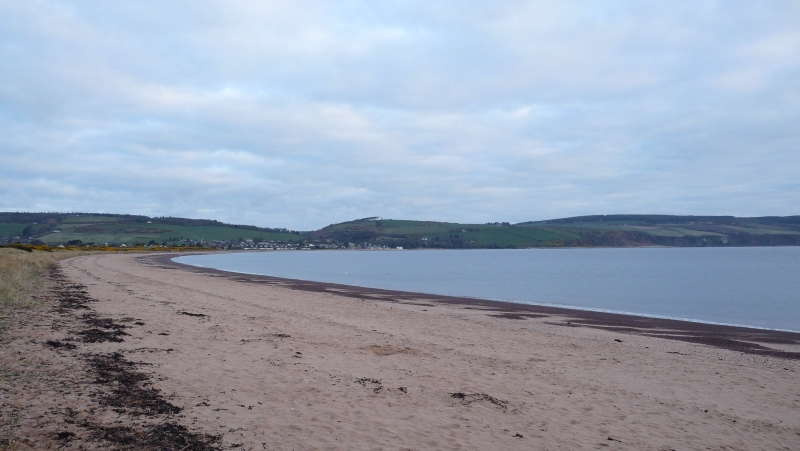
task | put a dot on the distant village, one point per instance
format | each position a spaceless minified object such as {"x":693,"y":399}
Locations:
{"x":240,"y":244}
{"x":250,"y":244}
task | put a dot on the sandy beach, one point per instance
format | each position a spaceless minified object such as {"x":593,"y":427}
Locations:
{"x":247,"y":362}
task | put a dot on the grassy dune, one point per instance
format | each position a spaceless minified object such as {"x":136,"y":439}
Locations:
{"x":20,"y":276}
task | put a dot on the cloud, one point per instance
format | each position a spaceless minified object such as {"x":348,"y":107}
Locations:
{"x":303,"y":114}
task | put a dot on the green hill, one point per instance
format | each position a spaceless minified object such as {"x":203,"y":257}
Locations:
{"x":421,"y":234}
{"x":595,"y":231}
{"x":668,"y":230}
{"x":80,"y":228}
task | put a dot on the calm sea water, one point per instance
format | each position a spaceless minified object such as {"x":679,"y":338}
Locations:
{"x":752,"y":286}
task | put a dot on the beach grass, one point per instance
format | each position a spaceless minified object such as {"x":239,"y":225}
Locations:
{"x":22,"y":272}
{"x":21,"y":279}
{"x":20,"y":276}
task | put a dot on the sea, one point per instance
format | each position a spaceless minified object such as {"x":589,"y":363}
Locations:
{"x":745,"y":286}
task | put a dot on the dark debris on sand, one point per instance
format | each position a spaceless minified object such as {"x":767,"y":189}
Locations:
{"x":103,"y":323}
{"x":101,"y":335}
{"x":121,"y":387}
{"x":199,"y":315}
{"x":70,"y":296}
{"x":59,"y":344}
{"x":128,"y":391}
{"x":165,"y":436}
{"x":371,"y":383}
{"x":102,"y":330}
{"x":468,"y":398}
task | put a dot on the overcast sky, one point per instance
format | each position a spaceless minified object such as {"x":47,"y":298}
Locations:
{"x":301,"y":114}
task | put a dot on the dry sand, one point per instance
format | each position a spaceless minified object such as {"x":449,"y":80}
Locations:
{"x":272,"y":367}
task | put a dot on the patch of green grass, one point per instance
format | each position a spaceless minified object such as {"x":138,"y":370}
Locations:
{"x":596,"y":226}
{"x":512,"y":236}
{"x":88,"y":219}
{"x":9,"y":230}
{"x":400,"y":227}
{"x":564,"y":233}
{"x":692,"y":232}
{"x":685,"y":231}
{"x":477,"y":234}
{"x":143,"y":233}
{"x":664,"y":232}
{"x":761,"y":230}
{"x":99,"y":238}
{"x":420,"y":228}
{"x":216,"y":233}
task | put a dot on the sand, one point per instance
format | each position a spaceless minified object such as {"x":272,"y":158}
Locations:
{"x":270,"y":366}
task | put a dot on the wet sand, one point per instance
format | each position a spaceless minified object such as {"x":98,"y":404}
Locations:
{"x":750,"y":340}
{"x":266,"y":363}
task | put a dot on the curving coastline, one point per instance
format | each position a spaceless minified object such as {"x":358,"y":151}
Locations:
{"x":737,"y":338}
{"x":136,"y":347}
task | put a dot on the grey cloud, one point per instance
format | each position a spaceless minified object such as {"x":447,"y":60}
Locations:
{"x":303,"y":114}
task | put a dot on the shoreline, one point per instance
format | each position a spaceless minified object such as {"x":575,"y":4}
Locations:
{"x":134,"y":351}
{"x":533,"y":304}
{"x":750,"y":340}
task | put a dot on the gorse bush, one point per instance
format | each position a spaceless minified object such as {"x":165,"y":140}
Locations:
{"x":20,"y":276}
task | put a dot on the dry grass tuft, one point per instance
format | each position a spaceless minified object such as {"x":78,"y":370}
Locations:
{"x":21,"y":272}
{"x":20,"y":276}
{"x":21,"y":279}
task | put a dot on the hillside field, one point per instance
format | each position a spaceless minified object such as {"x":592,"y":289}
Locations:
{"x":119,"y":229}
{"x":584,"y":231}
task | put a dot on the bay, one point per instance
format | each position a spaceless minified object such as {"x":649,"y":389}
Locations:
{"x":750,"y":286}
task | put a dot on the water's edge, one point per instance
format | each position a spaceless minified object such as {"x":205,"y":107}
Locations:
{"x":756,"y":289}
{"x":731,"y":337}
{"x":535,"y":304}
